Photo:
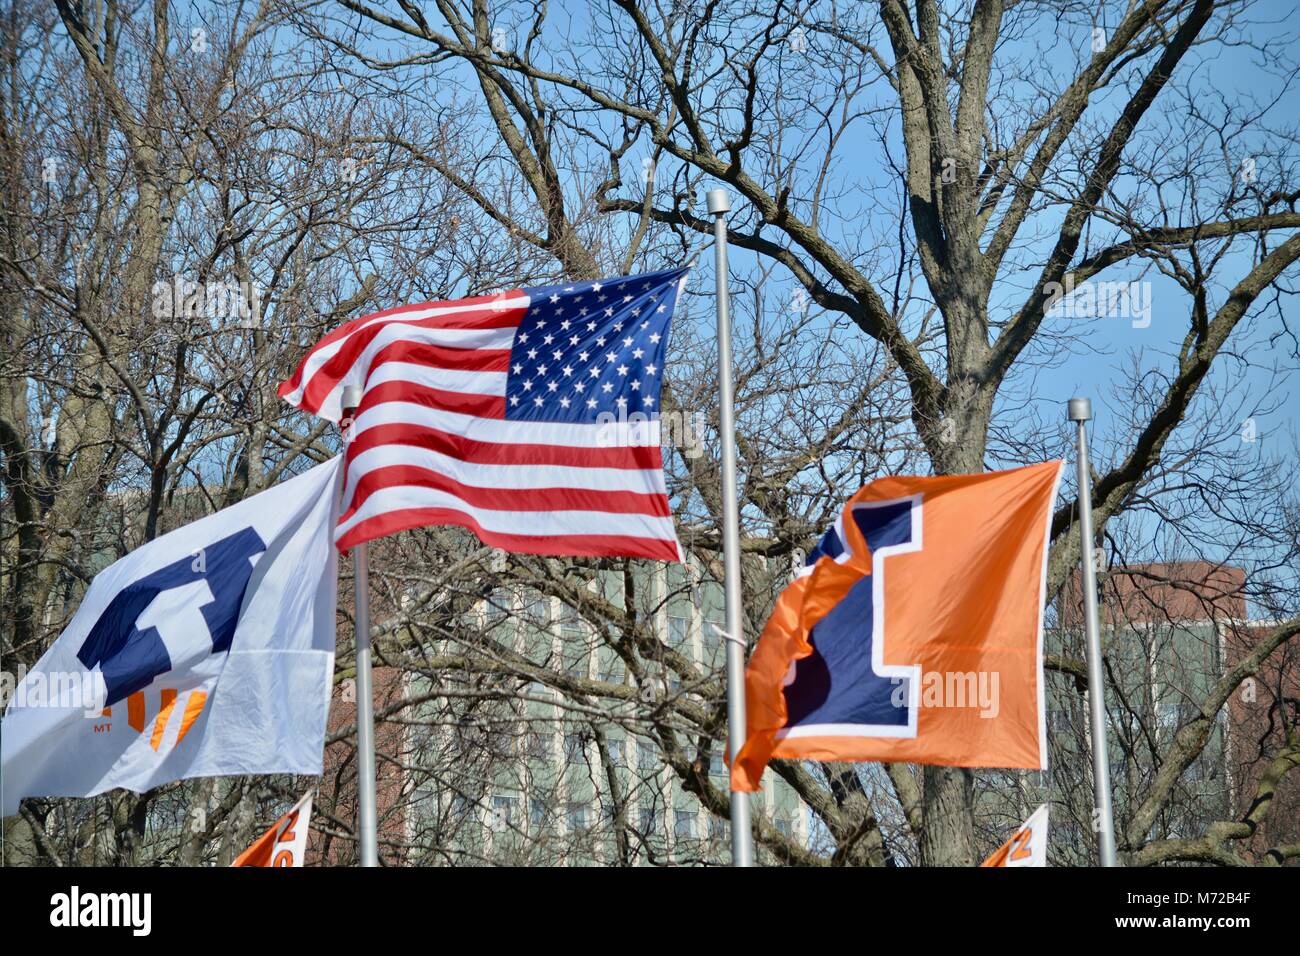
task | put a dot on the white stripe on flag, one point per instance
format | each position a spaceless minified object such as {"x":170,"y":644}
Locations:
{"x":542,"y":523}
{"x":510,"y":477}
{"x":400,"y":328}
{"x":499,"y":431}
{"x":447,"y":379}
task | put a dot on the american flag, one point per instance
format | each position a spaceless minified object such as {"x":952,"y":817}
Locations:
{"x":529,"y":417}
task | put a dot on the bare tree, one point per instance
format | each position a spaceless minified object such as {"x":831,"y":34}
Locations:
{"x":1031,"y":149}
{"x":928,"y":193}
{"x":185,"y":205}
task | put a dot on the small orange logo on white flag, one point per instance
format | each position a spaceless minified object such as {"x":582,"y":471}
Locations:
{"x":285,"y":844}
{"x":1028,"y":847}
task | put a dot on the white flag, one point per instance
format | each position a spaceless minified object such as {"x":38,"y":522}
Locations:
{"x":208,"y":651}
{"x":1027,"y":847}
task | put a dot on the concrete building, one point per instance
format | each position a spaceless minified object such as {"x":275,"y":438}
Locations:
{"x":1170,"y":631}
{"x":511,"y":772}
{"x":544,"y":782}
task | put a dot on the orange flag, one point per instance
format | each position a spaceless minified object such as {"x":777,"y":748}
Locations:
{"x":1028,"y":847}
{"x":914,"y":633}
{"x":285,"y":844}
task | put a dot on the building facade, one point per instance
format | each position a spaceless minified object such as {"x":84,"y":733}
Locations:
{"x":1170,"y":632}
{"x":547,"y":779}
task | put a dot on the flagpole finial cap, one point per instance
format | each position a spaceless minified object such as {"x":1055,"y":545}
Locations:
{"x":718,"y":201}
{"x":1080,"y":409}
{"x":351,"y":397}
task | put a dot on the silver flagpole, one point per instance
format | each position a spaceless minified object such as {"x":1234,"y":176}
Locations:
{"x":367,"y":816}
{"x":1081,"y":412}
{"x":742,"y":849}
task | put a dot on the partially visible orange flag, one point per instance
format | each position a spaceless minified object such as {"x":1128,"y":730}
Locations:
{"x":1028,"y":847}
{"x":915,"y":632}
{"x":285,"y":844}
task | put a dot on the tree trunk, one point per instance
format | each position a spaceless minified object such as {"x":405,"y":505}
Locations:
{"x":948,"y":838}
{"x":956,"y":447}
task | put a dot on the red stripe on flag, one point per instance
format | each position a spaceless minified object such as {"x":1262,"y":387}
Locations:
{"x":394,"y":314}
{"x":464,"y":403}
{"x":337,"y":365}
{"x":328,"y":375}
{"x":578,"y":546}
{"x":498,"y":453}
{"x":443,"y":356}
{"x":507,"y":499}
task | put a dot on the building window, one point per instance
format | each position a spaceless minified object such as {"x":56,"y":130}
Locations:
{"x":460,"y":808}
{"x":711,"y":636}
{"x":574,"y":751}
{"x":503,"y":813}
{"x":570,"y":621}
{"x":679,"y":632}
{"x":684,"y":825}
{"x":537,"y":813}
{"x":717,"y":767}
{"x":717,"y":828}
{"x":611,"y":672}
{"x":498,"y":606}
{"x":578,"y":818}
{"x":575,"y":662}
{"x":646,"y":758}
{"x":783,"y":827}
{"x":651,"y":820}
{"x":537,"y":609}
{"x":615,"y":747}
{"x":537,"y":744}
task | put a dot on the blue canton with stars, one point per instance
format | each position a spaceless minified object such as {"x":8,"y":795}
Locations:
{"x":589,"y":348}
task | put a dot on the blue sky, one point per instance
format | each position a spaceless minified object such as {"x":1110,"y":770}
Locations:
{"x":1096,"y":357}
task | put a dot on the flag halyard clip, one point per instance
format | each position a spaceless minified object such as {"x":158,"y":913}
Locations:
{"x":725,"y":636}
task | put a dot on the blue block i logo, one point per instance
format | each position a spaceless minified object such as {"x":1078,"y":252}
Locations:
{"x":844,"y":688}
{"x":173,"y":617}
